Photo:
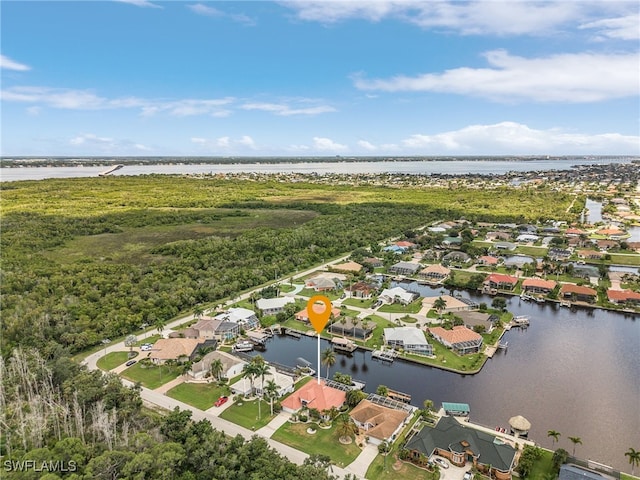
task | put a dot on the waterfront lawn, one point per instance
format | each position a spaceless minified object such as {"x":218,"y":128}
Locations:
{"x":413,"y":307}
{"x":542,"y":467}
{"x":445,"y":357}
{"x":358,"y":302}
{"x":323,"y":442}
{"x":532,"y":251}
{"x":199,"y":395}
{"x":111,"y":360}
{"x":151,"y":376}
{"x":376,"y":340}
{"x":245,"y":413}
{"x":631,"y":259}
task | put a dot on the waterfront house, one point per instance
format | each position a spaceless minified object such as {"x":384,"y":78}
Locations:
{"x":380,"y":423}
{"x":473,"y":320}
{"x":461,"y":444}
{"x":570,"y":291}
{"x":606,"y":244}
{"x":314,"y":395}
{"x":538,"y":285}
{"x":460,"y":339}
{"x":453,"y":304}
{"x":179,"y":349}
{"x":435,"y":272}
{"x":397,"y":294}
{"x":527,"y":238}
{"x":361,"y":290}
{"x":405,"y":268}
{"x":303,"y":315}
{"x":613,"y":233}
{"x":518,"y":261}
{"x":501,"y":281}
{"x":352,"y":327}
{"x":411,"y":339}
{"x":555,"y":253}
{"x":590,"y":254}
{"x":244,"y":317}
{"x":505,"y":246}
{"x":623,"y":296}
{"x":231,"y":366}
{"x":569,"y":471}
{"x":217,"y":328}
{"x":574,"y":232}
{"x":273,"y":306}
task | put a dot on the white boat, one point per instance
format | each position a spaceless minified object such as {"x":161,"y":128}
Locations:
{"x":244,"y":346}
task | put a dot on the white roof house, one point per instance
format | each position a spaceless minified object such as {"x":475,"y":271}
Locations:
{"x":391,"y":295}
{"x":284,"y":382}
{"x":241,"y":316}
{"x":270,"y":306}
{"x":409,"y":338}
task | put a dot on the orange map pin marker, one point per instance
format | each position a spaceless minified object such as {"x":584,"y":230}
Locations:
{"x":317,"y":317}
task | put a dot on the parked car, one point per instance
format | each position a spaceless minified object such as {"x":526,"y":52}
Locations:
{"x":221,"y":401}
{"x":130,"y":362}
{"x":145,"y":348}
{"x":468,"y":476}
{"x":441,"y":462}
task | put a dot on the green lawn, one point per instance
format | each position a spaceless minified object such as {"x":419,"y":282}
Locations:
{"x":413,"y":307}
{"x":310,"y":292}
{"x":112,"y":359}
{"x":376,"y":337}
{"x":445,"y":357}
{"x":323,"y":442}
{"x":151,"y":339}
{"x":532,"y":251}
{"x":631,"y":260}
{"x":542,"y":466}
{"x":245,"y":413}
{"x":358,"y":302}
{"x":199,"y":395}
{"x":152,"y":376}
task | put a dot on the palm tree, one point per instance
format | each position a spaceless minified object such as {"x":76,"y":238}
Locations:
{"x":328,"y":358}
{"x":271,"y":389}
{"x":428,"y":405}
{"x":634,"y":459}
{"x":249,"y":371}
{"x":365,"y":324}
{"x":216,"y":368}
{"x":261,"y":369}
{"x":382,"y":390}
{"x":575,"y":441}
{"x":440,"y":304}
{"x":198,"y":311}
{"x":346,"y":427}
{"x":554,"y":434}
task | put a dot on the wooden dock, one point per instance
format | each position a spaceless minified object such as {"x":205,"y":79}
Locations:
{"x":399,"y":396}
{"x":385,"y":355}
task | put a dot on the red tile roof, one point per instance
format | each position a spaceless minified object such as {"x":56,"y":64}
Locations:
{"x":489,"y":260}
{"x":577,"y":289}
{"x":501,"y":278}
{"x":459,"y":334}
{"x":316,"y":395}
{"x":622,"y":295}
{"x":539,"y":283}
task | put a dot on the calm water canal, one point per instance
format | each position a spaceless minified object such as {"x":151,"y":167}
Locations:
{"x":574,"y":372}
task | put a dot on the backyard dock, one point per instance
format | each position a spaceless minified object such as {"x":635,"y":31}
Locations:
{"x":385,"y":355}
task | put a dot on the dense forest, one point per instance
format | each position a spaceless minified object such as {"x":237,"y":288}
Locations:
{"x":88,"y":259}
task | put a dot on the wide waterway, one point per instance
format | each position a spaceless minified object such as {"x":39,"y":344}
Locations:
{"x":451,"y":167}
{"x":577,"y":372}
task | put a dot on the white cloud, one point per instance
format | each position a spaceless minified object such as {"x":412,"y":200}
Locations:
{"x":367,"y":145}
{"x":247,"y":141}
{"x":141,"y":3}
{"x":241,"y":144}
{"x":475,"y":17}
{"x":208,"y":11}
{"x":515,"y":138}
{"x":571,"y":78}
{"x":90,"y":138}
{"x":324,"y":144}
{"x":90,"y":143}
{"x":623,"y":28}
{"x":286,"y":110}
{"x":7,"y":64}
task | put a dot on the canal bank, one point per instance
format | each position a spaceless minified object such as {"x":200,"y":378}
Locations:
{"x":573,"y":372}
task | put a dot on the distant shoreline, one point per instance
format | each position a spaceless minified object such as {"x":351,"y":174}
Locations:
{"x":54,"y":161}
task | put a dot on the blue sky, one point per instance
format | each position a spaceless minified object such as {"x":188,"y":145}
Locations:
{"x":308,"y":78}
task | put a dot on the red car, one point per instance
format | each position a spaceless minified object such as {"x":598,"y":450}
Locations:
{"x":221,"y":401}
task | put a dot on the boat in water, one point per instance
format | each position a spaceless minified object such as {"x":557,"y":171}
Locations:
{"x":243,"y":346}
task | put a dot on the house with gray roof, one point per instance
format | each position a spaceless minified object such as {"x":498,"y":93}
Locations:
{"x":461,"y":444}
{"x":570,"y":471}
{"x":411,"y":339}
{"x":405,"y":268}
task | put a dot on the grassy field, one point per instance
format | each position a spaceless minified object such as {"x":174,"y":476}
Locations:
{"x":310,"y":292}
{"x":358,"y":302}
{"x":111,"y":360}
{"x":245,"y":413}
{"x":413,"y":307}
{"x":376,"y":337}
{"x":152,"y":376}
{"x":324,"y":442}
{"x":199,"y":395}
{"x":542,"y":467}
